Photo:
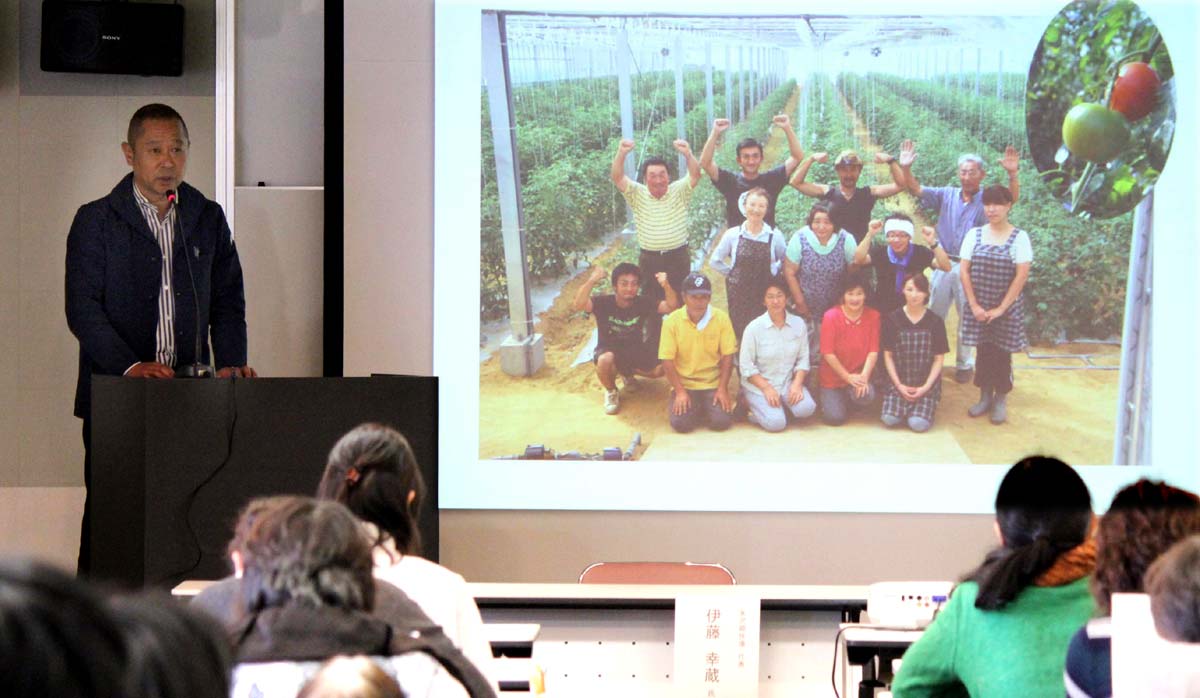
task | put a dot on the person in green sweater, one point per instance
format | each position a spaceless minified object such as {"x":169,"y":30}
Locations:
{"x":1005,"y":629}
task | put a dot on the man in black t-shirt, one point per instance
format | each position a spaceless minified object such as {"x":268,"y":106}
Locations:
{"x":852,"y":204}
{"x":621,"y":319}
{"x":897,"y":258}
{"x":749,"y":159}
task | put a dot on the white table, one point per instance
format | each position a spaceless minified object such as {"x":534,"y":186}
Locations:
{"x":615,"y":639}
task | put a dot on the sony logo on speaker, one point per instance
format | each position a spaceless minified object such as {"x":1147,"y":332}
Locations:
{"x":110,"y":37}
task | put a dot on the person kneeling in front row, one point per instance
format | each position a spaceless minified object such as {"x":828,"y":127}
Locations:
{"x":914,"y":345}
{"x":697,"y":348}
{"x":622,"y":318}
{"x":774,"y":363}
{"x":849,"y":350}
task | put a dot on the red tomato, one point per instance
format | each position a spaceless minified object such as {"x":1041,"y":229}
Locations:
{"x":1135,"y":92}
{"x":1094,"y":133}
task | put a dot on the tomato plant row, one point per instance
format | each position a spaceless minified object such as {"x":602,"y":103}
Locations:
{"x":569,"y":203}
{"x":585,"y":113}
{"x":993,"y":120}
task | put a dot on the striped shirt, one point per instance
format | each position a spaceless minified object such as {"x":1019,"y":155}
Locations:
{"x":164,"y":232}
{"x":661,"y":223}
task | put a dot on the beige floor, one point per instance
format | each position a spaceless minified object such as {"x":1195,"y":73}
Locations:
{"x":813,"y":443}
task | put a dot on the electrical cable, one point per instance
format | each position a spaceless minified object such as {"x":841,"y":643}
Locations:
{"x":190,"y":500}
{"x":873,"y":626}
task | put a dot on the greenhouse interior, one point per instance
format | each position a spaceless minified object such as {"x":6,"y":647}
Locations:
{"x":569,"y":88}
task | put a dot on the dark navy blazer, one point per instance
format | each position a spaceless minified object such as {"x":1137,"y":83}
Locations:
{"x":113,"y":276}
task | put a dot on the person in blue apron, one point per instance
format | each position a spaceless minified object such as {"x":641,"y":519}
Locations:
{"x":755,"y":251}
{"x":995,"y":266}
{"x":914,"y":344}
{"x":818,"y":257}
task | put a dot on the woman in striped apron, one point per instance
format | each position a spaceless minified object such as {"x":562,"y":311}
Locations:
{"x":913,"y":341}
{"x":995,"y":266}
{"x":818,"y":257}
{"x":755,"y":251}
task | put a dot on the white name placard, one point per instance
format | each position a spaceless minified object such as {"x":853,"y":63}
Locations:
{"x":716,"y":645}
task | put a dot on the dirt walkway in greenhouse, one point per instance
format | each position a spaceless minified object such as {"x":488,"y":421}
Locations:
{"x":1059,"y":405}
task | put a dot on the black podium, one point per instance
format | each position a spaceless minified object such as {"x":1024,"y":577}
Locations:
{"x":174,"y":461}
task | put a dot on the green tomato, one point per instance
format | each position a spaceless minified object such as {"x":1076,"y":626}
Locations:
{"x":1094,"y":133}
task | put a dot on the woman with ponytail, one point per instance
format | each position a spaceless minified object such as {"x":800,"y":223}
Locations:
{"x":1005,"y":630}
{"x":373,"y":472}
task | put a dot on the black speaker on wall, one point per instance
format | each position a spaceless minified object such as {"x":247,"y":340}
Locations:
{"x":127,"y":38}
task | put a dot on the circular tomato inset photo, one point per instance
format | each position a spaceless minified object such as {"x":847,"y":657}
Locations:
{"x":1100,"y":106}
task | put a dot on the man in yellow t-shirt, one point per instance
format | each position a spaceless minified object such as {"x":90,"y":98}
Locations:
{"x":697,"y":348}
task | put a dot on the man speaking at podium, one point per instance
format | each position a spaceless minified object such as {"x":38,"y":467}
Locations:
{"x":152,"y":272}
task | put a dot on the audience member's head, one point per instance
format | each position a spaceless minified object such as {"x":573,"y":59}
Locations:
{"x":174,"y":652}
{"x":299,"y":549}
{"x":1173,"y":582}
{"x":351,"y":677}
{"x":56,"y":636}
{"x":1043,"y":509}
{"x":372,"y":470}
{"x":1143,"y":520}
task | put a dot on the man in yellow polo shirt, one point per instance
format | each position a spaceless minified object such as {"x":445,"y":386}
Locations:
{"x":697,"y":348}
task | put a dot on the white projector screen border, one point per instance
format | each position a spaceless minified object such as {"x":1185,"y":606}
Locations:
{"x":466,"y":482}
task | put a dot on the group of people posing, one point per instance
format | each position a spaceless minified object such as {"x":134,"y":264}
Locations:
{"x":821,"y":307}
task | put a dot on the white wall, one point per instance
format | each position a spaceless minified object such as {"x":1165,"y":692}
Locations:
{"x":60,"y":137}
{"x":389,"y":187}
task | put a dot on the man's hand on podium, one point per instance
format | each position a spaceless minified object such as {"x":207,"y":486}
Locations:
{"x":237,"y":372}
{"x":150,"y":369}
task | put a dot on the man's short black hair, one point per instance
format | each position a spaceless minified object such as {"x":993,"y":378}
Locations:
{"x":625,"y":269}
{"x":748,"y":143}
{"x":648,"y":162}
{"x":153,"y":112}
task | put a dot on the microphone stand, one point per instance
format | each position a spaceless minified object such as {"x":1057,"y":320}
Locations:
{"x":194,"y":369}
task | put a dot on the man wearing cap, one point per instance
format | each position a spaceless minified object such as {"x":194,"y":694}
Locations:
{"x":697,"y":348}
{"x":897,"y":258}
{"x":851,"y":203}
{"x":749,"y":159}
{"x":659,"y":209}
{"x":959,"y":210}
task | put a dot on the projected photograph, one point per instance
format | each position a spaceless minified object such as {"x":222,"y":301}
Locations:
{"x":764,"y":188}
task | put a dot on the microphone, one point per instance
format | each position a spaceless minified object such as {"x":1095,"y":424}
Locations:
{"x":194,"y":369}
